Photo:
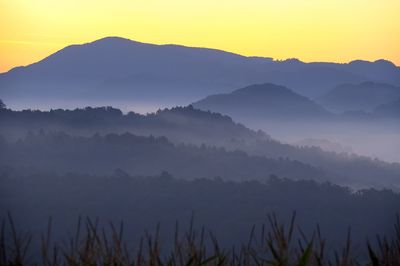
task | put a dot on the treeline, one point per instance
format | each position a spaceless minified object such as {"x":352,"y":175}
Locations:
{"x":139,"y":155}
{"x":179,"y":123}
{"x":188,"y":125}
{"x":228,"y":209}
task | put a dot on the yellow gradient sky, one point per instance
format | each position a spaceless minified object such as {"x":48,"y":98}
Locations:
{"x":311,"y":30}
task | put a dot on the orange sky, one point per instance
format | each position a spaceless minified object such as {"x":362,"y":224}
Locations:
{"x":312,"y":30}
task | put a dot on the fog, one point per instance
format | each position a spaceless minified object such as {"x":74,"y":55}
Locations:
{"x":373,"y":139}
{"x":158,"y":136}
{"x":163,"y":167}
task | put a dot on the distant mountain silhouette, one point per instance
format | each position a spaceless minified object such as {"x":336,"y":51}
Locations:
{"x":144,"y":202}
{"x":180,"y":124}
{"x":359,"y":97}
{"x":193,"y":127}
{"x":324,"y":144}
{"x":61,"y":153}
{"x":126,"y":71}
{"x":389,"y":110}
{"x":261,"y":101}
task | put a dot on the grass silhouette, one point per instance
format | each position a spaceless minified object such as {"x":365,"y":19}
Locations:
{"x":279,"y":245}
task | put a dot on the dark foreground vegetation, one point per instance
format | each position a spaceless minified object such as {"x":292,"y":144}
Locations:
{"x":104,"y":166}
{"x":150,"y":206}
{"x":279,"y":244}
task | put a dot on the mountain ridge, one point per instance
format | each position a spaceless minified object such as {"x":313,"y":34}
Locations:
{"x":263,"y":101}
{"x":364,"y":96}
{"x":127,"y":71}
{"x":127,"y":40}
{"x":195,"y":127}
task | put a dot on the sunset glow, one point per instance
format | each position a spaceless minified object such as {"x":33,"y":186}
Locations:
{"x":312,"y":30}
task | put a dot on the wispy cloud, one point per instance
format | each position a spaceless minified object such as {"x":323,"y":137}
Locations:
{"x":28,"y":42}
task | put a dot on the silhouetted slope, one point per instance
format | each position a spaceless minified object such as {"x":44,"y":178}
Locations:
{"x":388,"y":110}
{"x":263,"y":101}
{"x":324,"y":144}
{"x":381,"y":71}
{"x":365,"y":96}
{"x":180,"y":124}
{"x":138,"y":155}
{"x":117,"y":68}
{"x":125,"y":70}
{"x":188,"y":125}
{"x":228,"y":209}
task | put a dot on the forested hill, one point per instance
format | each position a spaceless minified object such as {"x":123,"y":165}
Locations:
{"x":140,"y":155}
{"x":128,"y":71}
{"x":264,"y":101}
{"x":229,"y":209}
{"x":179,"y":123}
{"x":191,"y":126}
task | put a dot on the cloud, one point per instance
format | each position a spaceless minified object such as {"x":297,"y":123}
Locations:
{"x":28,"y":42}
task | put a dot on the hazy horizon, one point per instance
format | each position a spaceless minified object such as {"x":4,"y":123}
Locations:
{"x":280,"y":30}
{"x":204,"y":47}
{"x":199,"y":132}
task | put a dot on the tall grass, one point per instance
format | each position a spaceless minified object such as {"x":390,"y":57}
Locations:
{"x":278,"y":245}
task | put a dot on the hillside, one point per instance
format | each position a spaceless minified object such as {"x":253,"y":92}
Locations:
{"x":180,"y":124}
{"x":358,"y":97}
{"x":63,"y":153}
{"x":263,"y":101}
{"x":388,"y":110}
{"x":230,"y":209}
{"x":196,"y":127}
{"x":126,"y":72}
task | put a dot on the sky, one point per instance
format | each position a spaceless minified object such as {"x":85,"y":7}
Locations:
{"x":310,"y":30}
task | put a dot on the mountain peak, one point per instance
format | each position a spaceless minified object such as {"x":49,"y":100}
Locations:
{"x":266,"y":101}
{"x":292,"y":60}
{"x":385,"y":62}
{"x":264,"y":89}
{"x":363,"y":96}
{"x":113,"y":39}
{"x":122,"y":70}
{"x":382,"y":62}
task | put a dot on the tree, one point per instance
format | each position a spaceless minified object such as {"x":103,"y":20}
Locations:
{"x":2,"y":104}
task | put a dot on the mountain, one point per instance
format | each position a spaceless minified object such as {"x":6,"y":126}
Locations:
{"x":232,"y":209}
{"x":139,"y":155}
{"x":125,"y":73}
{"x":389,"y":110}
{"x":62,"y":153}
{"x":380,"y":70}
{"x":263,"y":101}
{"x":358,"y":97}
{"x":324,"y":144}
{"x":180,"y":125}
